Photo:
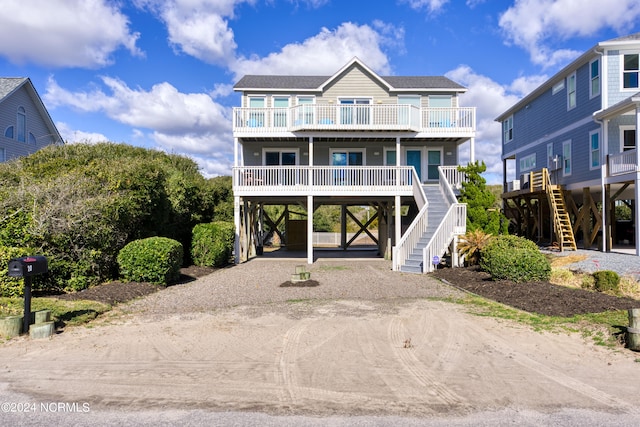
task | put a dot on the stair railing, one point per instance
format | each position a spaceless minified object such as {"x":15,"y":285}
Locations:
{"x":415,"y":231}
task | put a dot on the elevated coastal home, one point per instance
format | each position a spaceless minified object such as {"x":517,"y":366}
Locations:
{"x":574,"y":142}
{"x":25,"y":124}
{"x":354,"y":138}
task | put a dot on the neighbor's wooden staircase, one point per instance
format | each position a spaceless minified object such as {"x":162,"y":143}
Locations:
{"x":561,"y":221}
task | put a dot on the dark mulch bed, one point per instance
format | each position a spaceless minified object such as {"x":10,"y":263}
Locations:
{"x":117,"y":292}
{"x":534,"y":297}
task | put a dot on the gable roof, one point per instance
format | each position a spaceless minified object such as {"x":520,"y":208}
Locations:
{"x":317,"y":83}
{"x":9,"y":85}
{"x":586,"y":56}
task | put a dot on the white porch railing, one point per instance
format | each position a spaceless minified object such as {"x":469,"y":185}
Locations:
{"x":453,"y":223}
{"x":453,"y":176}
{"x":381,"y":117}
{"x":622,"y":163}
{"x":323,"y":180}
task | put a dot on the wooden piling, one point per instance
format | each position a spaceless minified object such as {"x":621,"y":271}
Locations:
{"x":633,"y":331}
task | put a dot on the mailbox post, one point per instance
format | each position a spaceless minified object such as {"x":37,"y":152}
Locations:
{"x":27,"y":267}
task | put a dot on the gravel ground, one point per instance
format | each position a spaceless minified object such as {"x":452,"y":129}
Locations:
{"x":622,"y":263}
{"x":264,"y":281}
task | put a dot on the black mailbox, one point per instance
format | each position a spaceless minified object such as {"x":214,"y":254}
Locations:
{"x":28,"y":266}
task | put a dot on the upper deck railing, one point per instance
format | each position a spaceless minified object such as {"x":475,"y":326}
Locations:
{"x":377,"y":117}
{"x":323,"y":180}
{"x":622,"y":163}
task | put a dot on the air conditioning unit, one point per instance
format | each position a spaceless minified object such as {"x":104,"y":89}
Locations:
{"x":513,"y":185}
{"x":524,"y":180}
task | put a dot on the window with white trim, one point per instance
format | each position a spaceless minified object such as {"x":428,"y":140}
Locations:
{"x":594,"y":149}
{"x":557,"y":87}
{"x":627,"y":138}
{"x":528,"y":162}
{"x":571,"y":91}
{"x":256,"y":111}
{"x":630,"y":71}
{"x":594,"y":74}
{"x":550,"y":162}
{"x":305,"y":111}
{"x":566,"y":158}
{"x":507,"y":130}
{"x":21,"y":134}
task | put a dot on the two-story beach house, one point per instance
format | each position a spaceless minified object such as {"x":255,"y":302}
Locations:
{"x":574,"y":142}
{"x":354,"y":138}
{"x":25,"y":124}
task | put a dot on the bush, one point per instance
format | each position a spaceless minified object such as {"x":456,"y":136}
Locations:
{"x":606,"y":280}
{"x":514,"y":258}
{"x":81,"y":203}
{"x":471,"y":244}
{"x":155,"y":259}
{"x":212,"y":244}
{"x":11,"y":286}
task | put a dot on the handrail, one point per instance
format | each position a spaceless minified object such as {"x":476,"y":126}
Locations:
{"x":622,"y":163}
{"x":448,"y":227}
{"x":354,"y":117}
{"x":453,"y":223}
{"x":410,"y":238}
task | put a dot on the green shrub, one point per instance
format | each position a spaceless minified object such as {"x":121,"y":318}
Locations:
{"x":154,"y":259}
{"x":606,"y":280}
{"x":212,"y":243}
{"x":514,"y":258}
{"x":11,"y":286}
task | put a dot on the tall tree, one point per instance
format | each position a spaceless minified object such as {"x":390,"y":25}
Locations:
{"x":481,"y":211}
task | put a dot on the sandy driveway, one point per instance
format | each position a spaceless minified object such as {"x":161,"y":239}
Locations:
{"x":406,"y":357}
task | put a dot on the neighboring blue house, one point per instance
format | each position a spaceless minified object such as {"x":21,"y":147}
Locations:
{"x":574,"y":143}
{"x":25,"y":124}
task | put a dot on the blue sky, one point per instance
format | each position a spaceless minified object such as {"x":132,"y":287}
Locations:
{"x":159,"y":73}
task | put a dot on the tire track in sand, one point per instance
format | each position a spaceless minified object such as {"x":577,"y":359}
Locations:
{"x":417,"y":369}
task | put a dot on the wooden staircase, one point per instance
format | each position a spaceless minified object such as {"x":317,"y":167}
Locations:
{"x":561,"y":221}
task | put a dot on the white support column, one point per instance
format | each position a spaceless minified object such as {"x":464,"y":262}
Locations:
{"x":309,"y":229}
{"x":311,"y":162}
{"x":236,"y":222}
{"x":637,"y":181}
{"x":604,"y":172}
{"x":235,"y":152}
{"x":472,"y":150}
{"x":398,"y":219}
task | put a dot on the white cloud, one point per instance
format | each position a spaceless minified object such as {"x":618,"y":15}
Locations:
{"x":536,"y":25}
{"x":191,"y":124}
{"x":72,"y":136}
{"x":199,"y":28}
{"x":64,"y":33}
{"x":432,"y":6}
{"x":490,"y":99}
{"x":325,"y":53}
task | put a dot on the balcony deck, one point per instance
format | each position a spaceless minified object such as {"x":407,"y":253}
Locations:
{"x":453,"y":122}
{"x":323,"y":181}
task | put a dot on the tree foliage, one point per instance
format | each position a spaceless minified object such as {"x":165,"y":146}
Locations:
{"x":80,"y":204}
{"x":481,"y":211}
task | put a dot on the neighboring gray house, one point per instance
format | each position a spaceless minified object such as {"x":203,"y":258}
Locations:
{"x":25,"y":124}
{"x":352,"y":139}
{"x":574,"y":142}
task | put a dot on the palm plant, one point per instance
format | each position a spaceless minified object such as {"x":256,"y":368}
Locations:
{"x":471,"y":245}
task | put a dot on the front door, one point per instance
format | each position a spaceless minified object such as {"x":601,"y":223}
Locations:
{"x":434,"y":159}
{"x":414,"y":158}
